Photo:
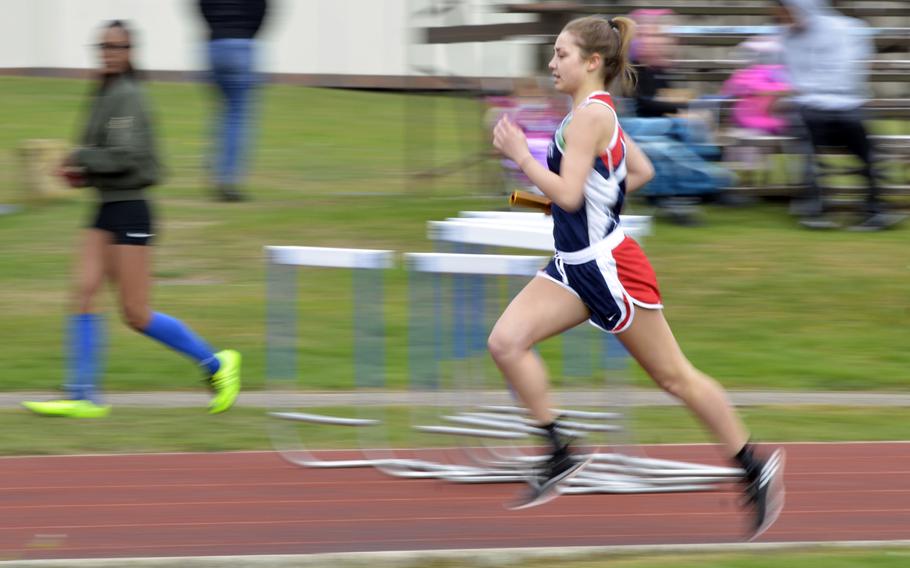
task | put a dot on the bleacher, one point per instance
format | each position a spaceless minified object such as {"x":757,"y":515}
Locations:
{"x":700,"y":8}
{"x":707,"y":31}
{"x":718,"y":70}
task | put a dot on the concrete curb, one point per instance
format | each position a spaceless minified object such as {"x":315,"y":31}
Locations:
{"x":625,"y":397}
{"x":471,"y":557}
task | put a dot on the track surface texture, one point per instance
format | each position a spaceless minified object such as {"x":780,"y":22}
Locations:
{"x":256,"y":503}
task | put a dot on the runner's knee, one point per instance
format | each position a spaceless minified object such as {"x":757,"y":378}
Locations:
{"x":504,"y":346}
{"x":675,"y":377}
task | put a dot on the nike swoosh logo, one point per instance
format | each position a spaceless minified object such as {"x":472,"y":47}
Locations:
{"x":140,"y":235}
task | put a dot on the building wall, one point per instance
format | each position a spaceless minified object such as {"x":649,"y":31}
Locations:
{"x":357,"y":37}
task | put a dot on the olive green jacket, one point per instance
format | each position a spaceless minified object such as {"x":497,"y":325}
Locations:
{"x":118,"y":147}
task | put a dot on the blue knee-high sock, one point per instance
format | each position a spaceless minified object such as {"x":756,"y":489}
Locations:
{"x":179,"y":337}
{"x":85,"y":347}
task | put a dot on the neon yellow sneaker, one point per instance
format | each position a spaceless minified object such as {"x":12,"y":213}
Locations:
{"x":69,"y":408}
{"x":226,"y":382}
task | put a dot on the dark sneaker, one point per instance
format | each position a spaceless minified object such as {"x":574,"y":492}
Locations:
{"x":229,"y":193}
{"x":544,"y":486}
{"x":766,"y":494}
{"x":818,"y":223}
{"x":877,"y":222}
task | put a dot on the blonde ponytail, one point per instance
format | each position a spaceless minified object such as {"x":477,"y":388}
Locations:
{"x":625,"y":27}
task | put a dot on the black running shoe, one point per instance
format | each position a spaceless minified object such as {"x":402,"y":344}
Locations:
{"x":878,"y":222}
{"x":766,"y":494}
{"x":544,"y":486}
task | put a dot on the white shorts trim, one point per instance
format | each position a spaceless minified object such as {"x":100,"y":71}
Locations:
{"x":646,"y":305}
{"x":599,"y":249}
{"x":543,"y":274}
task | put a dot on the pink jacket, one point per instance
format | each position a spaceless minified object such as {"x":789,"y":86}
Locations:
{"x":756,"y":88}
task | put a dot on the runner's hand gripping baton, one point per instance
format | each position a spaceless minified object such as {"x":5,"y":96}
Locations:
{"x":531,"y":200}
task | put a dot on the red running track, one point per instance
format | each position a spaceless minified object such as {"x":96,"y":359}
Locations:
{"x":255,"y":503}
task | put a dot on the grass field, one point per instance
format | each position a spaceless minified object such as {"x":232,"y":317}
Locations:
{"x":139,"y":430}
{"x":753,"y":300}
{"x":841,"y":557}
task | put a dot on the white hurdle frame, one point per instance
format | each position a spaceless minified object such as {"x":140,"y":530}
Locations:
{"x":489,"y":422}
{"x":519,"y":230}
{"x":610,"y":472}
{"x":465,"y":264}
{"x":289,"y":445}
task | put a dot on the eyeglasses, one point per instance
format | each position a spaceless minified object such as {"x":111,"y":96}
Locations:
{"x":116,"y":46}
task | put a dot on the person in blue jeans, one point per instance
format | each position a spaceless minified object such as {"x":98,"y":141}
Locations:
{"x":233,"y":26}
{"x":668,"y":127}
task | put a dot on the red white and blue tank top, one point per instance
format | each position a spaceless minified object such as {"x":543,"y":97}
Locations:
{"x":604,"y":191}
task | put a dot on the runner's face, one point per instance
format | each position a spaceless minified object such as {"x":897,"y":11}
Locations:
{"x":567,"y":65}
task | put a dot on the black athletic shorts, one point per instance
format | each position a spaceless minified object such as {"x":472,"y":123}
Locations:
{"x":129,"y":221}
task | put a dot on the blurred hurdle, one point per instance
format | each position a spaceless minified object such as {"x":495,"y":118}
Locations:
{"x":611,"y":472}
{"x":585,"y":349}
{"x":496,"y":441}
{"x":283,"y":370}
{"x":482,"y":231}
{"x":285,"y":375}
